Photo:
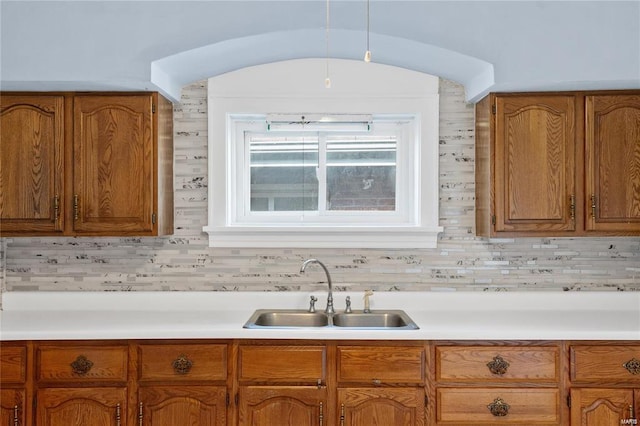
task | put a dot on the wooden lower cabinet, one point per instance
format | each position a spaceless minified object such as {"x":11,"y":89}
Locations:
{"x":217,"y":382}
{"x":381,"y":406}
{"x":282,"y":406}
{"x":182,"y":406}
{"x":81,"y":406}
{"x":603,"y":407}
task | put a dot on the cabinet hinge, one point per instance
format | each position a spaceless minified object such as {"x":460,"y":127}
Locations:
{"x":237,"y":399}
{"x":228,"y":399}
{"x":569,"y":401}
{"x":153,"y":108}
{"x":426,"y":400}
{"x":153,"y":218}
{"x":493,"y":219}
{"x":494,"y":109}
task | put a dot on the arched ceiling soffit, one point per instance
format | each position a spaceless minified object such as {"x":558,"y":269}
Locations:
{"x":173,"y":72}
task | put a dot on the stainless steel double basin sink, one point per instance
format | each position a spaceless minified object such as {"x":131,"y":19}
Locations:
{"x":294,"y":318}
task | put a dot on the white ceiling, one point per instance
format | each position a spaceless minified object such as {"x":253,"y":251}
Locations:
{"x":164,"y":45}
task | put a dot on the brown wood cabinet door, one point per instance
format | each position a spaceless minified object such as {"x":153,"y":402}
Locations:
{"x":283,"y":406}
{"x":183,"y":405}
{"x":600,"y":407}
{"x":535,"y":164}
{"x":31,"y":164}
{"x":381,"y":406}
{"x":81,"y":407}
{"x":114,"y":154}
{"x":12,"y":407}
{"x":613,"y":163}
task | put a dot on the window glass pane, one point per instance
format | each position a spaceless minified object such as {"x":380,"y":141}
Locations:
{"x":283,"y":172}
{"x":361,"y":172}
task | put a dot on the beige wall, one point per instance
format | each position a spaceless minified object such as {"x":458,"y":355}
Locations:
{"x":185,"y":262}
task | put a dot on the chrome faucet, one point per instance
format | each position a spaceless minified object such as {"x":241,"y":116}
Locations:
{"x":329,"y":309}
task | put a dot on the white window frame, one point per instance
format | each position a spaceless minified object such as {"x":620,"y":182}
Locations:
{"x":290,"y":87}
{"x":238,"y":177}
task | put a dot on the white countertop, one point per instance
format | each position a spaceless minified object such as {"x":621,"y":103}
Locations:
{"x":440,"y":316}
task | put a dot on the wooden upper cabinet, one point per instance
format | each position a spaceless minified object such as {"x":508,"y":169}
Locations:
{"x":558,"y":164}
{"x":115,"y":165}
{"x":31,"y":164}
{"x":529,"y":163}
{"x":86,"y":164}
{"x":613,"y":163}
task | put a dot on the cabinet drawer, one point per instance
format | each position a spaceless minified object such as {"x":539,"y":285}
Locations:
{"x":13,"y":364}
{"x":182,"y":362}
{"x":500,"y":405}
{"x":497,"y":363}
{"x":605,"y":363}
{"x":82,"y":363}
{"x":282,"y":364}
{"x":381,"y":364}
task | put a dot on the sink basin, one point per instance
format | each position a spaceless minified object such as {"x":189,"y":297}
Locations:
{"x":358,"y":320}
{"x":286,"y":318}
{"x":375,"y":319}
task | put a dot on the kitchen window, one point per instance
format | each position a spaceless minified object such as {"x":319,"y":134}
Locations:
{"x":294,"y":166}
{"x":293,"y":170}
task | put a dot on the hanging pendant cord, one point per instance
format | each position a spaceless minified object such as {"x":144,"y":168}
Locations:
{"x":327,"y":80}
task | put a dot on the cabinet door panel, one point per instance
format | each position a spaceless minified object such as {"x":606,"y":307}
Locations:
{"x":81,"y":407}
{"x":613,"y":163}
{"x":600,"y":407}
{"x":611,"y":363}
{"x":498,"y":405}
{"x":183,"y":405}
{"x":31,"y":164}
{"x":535,"y":163}
{"x":478,"y":364}
{"x":113,"y":164}
{"x":381,"y":406}
{"x":183,"y":362}
{"x":282,"y":406}
{"x":12,"y":407}
{"x":381,"y":364}
{"x":282,"y":364}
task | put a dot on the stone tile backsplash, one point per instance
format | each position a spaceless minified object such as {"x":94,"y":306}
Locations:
{"x":184,"y":261}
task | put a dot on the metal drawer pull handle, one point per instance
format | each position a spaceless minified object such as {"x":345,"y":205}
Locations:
{"x":499,"y":408}
{"x":117,"y":414}
{"x":498,"y":366}
{"x":81,"y":365}
{"x":321,"y":415}
{"x":377,"y":382}
{"x":632,"y":366}
{"x":16,"y":418}
{"x":140,"y":414}
{"x":341,"y":414}
{"x":182,"y":364}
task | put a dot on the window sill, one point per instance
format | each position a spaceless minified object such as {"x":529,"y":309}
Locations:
{"x":400,"y":237}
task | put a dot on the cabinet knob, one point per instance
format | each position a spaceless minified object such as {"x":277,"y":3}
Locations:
{"x":632,"y":366}
{"x":499,"y":408}
{"x":498,"y":365}
{"x":81,"y":366}
{"x":182,"y":364}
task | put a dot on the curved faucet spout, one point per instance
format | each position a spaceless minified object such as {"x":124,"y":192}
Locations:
{"x":329,"y":309}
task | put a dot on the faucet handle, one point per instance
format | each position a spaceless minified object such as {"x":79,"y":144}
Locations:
{"x":367,"y":302}
{"x":348,"y":303}
{"x":312,"y":304}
